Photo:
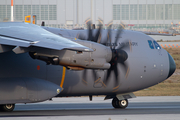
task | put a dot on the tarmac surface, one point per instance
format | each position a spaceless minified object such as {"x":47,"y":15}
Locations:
{"x":164,"y":38}
{"x":80,"y":108}
{"x":169,"y":43}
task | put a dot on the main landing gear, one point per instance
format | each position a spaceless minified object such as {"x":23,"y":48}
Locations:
{"x":119,"y":103}
{"x":7,"y":107}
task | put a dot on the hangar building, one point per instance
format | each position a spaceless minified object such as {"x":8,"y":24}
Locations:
{"x":58,"y":13}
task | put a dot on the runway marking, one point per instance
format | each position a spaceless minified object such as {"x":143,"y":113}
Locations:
{"x":63,"y":77}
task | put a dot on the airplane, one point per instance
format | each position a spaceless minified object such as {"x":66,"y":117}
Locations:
{"x":37,"y":65}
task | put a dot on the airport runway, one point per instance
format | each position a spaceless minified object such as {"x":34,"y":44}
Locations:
{"x":145,"y":108}
{"x":164,"y":38}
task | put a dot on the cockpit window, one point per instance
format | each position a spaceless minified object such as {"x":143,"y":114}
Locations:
{"x":151,"y":44}
{"x":157,"y":46}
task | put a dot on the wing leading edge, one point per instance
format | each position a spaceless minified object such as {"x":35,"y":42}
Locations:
{"x":23,"y":35}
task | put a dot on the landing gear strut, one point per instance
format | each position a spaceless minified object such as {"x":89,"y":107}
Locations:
{"x":7,"y":107}
{"x":119,"y":103}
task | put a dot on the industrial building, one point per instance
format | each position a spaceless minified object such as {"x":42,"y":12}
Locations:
{"x":61,"y":13}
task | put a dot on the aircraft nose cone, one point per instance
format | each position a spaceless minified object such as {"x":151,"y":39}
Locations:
{"x":172,"y":65}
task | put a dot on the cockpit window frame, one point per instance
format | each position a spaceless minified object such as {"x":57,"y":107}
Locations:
{"x":151,"y":45}
{"x":157,"y":46}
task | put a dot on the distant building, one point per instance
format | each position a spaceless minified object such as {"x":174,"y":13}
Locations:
{"x":61,"y":13}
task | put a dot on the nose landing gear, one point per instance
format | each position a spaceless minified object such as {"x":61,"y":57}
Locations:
{"x":119,"y":103}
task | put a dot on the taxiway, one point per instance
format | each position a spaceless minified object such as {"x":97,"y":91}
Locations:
{"x":146,"y":108}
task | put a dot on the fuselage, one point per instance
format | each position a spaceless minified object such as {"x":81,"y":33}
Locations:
{"x":148,"y":64}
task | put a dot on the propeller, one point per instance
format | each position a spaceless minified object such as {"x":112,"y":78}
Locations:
{"x":119,"y":55}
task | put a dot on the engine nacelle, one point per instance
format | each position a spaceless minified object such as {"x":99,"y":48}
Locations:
{"x":98,"y":59}
{"x":26,"y":90}
{"x":78,"y":60}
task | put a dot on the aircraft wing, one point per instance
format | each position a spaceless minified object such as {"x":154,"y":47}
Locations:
{"x":23,"y":35}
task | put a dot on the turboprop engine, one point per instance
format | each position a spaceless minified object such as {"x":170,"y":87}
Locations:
{"x":79,"y":60}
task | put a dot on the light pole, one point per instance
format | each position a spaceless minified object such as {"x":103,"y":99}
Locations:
{"x":12,"y":11}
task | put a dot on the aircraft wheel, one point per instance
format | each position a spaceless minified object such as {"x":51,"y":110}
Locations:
{"x":115,"y":102}
{"x":119,"y":103}
{"x":7,"y":107}
{"x":123,"y":103}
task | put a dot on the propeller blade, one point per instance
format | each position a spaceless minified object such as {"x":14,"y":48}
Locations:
{"x":109,"y":36}
{"x":107,"y":41}
{"x":125,"y":66}
{"x":90,"y":37}
{"x":126,"y":69}
{"x":107,"y":76}
{"x":84,"y":77}
{"x":95,"y":39}
{"x":94,"y":75}
{"x":116,"y":75}
{"x":118,"y":33}
{"x":81,"y":36}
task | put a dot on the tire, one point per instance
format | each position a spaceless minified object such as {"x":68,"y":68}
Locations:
{"x":115,"y":103}
{"x":7,"y":107}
